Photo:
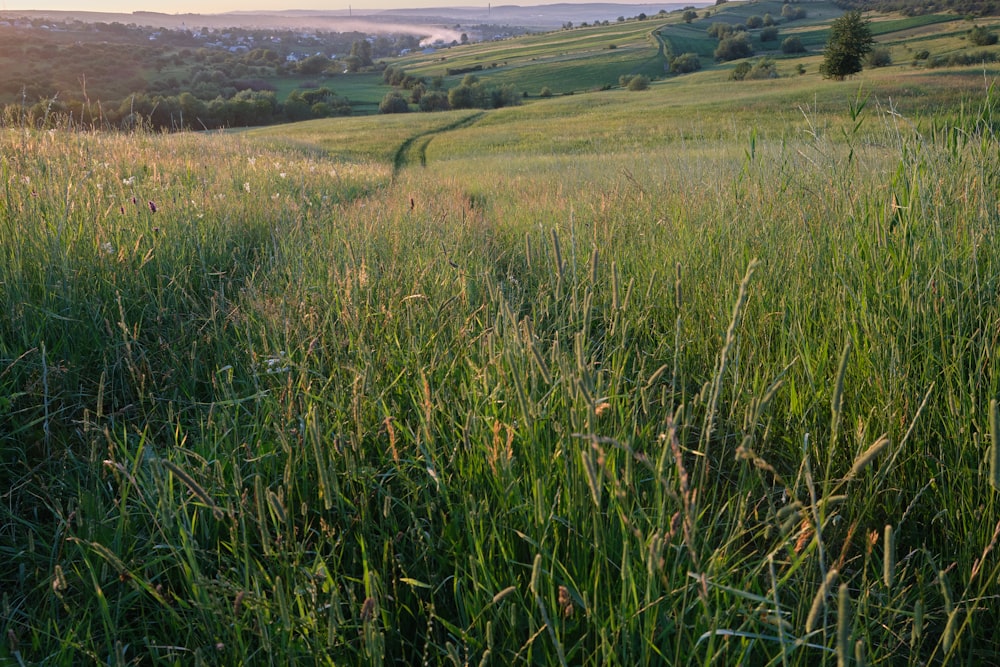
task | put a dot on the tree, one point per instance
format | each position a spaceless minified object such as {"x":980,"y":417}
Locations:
{"x":880,"y":57}
{"x":719,"y":30}
{"x":638,"y":82}
{"x":393,"y":102}
{"x":850,"y":41}
{"x":462,"y":96}
{"x":980,"y":36}
{"x":434,"y":100}
{"x":733,"y":48}
{"x":792,"y":45}
{"x":362,"y":49}
{"x":313,"y":65}
{"x":791,"y":13}
{"x":684,"y":63}
{"x":689,"y":15}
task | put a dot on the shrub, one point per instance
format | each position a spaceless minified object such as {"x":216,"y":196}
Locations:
{"x":792,"y":45}
{"x":504,"y":96}
{"x":462,"y":97}
{"x":684,"y":63}
{"x":638,"y":82}
{"x":689,"y":15}
{"x":762,"y":69}
{"x":769,"y":34}
{"x":980,"y":36}
{"x":545,"y":92}
{"x":755,"y":21}
{"x":960,"y":59}
{"x":740,"y":71}
{"x":733,"y":48}
{"x":768,"y":19}
{"x":434,"y":100}
{"x":878,"y":58}
{"x":393,"y":102}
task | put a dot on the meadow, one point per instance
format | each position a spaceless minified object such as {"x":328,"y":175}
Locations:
{"x":705,"y":374}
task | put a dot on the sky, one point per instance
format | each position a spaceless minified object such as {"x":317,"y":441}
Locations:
{"x":222,"y":6}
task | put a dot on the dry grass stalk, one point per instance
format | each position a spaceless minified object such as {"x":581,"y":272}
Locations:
{"x":843,"y":625}
{"x":195,"y":488}
{"x":867,"y":457}
{"x":819,"y":600}
{"x":805,"y":537}
{"x":989,"y":547}
{"x":392,"y":438}
{"x":995,"y":445}
{"x":889,"y":557}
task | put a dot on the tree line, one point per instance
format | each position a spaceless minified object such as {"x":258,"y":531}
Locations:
{"x":430,"y":95}
{"x":183,"y":112}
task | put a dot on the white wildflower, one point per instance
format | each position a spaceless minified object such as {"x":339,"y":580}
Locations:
{"x":276,"y":364}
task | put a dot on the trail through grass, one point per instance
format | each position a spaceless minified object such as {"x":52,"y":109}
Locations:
{"x":646,"y":391}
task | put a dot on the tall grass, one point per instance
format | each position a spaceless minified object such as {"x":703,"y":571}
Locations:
{"x":719,"y":401}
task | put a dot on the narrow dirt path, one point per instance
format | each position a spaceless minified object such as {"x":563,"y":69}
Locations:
{"x":416,"y":146}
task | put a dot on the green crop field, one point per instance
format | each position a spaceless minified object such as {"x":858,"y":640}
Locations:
{"x":703,"y":374}
{"x":566,"y":61}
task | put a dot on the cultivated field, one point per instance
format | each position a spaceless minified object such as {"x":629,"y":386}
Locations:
{"x":704,"y":374}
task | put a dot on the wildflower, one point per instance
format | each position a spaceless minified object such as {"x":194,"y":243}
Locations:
{"x":276,"y":364}
{"x":26,"y":180}
{"x":246,"y":186}
{"x":107,"y":249}
{"x":128,"y":181}
{"x":283,"y":175}
{"x":252,"y":161}
{"x":152,"y":206}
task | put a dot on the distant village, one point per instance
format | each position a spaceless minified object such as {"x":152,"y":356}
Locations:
{"x":180,"y":76}
{"x":292,"y":45}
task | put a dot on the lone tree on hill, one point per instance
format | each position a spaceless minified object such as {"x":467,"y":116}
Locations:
{"x":850,"y":41}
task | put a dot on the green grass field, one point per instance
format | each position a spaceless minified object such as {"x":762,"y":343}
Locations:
{"x":704,"y":374}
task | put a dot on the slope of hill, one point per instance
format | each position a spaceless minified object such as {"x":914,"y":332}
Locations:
{"x":703,"y":373}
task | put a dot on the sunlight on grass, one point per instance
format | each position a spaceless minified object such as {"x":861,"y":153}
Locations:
{"x":586,"y":384}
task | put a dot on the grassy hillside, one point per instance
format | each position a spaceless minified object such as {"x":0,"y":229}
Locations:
{"x":703,"y":374}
